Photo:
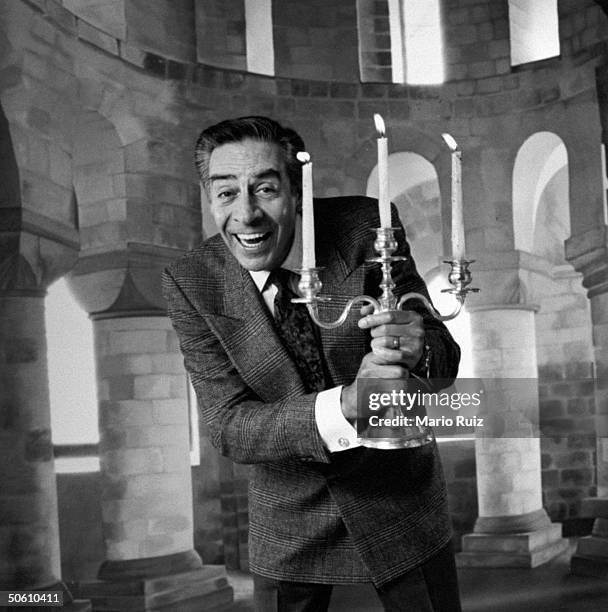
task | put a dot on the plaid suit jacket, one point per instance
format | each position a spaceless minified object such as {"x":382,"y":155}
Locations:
{"x":343,"y":517}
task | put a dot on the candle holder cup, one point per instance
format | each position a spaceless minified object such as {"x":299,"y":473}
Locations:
{"x":385,"y":244}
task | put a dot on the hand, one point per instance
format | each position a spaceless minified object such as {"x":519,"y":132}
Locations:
{"x":374,"y":367}
{"x":397,"y":336}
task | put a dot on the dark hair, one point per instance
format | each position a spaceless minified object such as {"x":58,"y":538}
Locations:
{"x":255,"y":128}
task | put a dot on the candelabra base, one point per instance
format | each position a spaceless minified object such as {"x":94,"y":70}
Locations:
{"x":413,"y":440}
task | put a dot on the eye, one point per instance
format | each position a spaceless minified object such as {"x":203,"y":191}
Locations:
{"x":266,"y":190}
{"x":224,"y":195}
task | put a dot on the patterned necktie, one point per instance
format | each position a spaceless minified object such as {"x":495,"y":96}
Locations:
{"x":297,"y":332}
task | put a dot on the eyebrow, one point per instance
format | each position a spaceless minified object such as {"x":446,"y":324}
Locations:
{"x":267,"y":173}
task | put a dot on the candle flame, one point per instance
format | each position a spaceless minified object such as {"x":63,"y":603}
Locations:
{"x":449,"y":140}
{"x":303,"y":157}
{"x":379,"y":125}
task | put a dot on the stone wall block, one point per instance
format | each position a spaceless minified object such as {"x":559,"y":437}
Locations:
{"x":125,"y":412}
{"x":169,"y":363}
{"x":137,"y":341}
{"x":118,"y":487}
{"x":174,"y":459}
{"x":134,"y":461}
{"x":145,"y":506}
{"x":171,"y":411}
{"x":155,"y":435}
{"x":152,"y":387}
{"x":169,"y":524}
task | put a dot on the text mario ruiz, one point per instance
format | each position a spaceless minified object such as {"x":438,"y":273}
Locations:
{"x":406,"y":400}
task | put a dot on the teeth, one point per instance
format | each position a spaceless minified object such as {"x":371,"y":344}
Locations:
{"x":251,"y":240}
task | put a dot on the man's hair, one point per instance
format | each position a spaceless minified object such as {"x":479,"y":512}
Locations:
{"x":254,"y":128}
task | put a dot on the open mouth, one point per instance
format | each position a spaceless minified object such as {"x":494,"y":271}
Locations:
{"x":252,"y":241}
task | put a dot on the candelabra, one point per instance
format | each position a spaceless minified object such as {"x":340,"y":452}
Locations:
{"x":310,"y":285}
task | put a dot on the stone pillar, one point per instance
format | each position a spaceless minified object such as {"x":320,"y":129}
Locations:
{"x":29,"y":529}
{"x":146,"y":475}
{"x":588,"y":253}
{"x":513,"y":529}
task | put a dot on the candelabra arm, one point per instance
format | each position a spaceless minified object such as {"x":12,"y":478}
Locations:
{"x":460,"y":278}
{"x":314,"y":311}
{"x":418,"y":296}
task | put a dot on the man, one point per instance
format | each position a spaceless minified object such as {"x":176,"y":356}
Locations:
{"x":280,"y":393}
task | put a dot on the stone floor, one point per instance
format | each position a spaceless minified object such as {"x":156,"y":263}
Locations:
{"x":548,"y":588}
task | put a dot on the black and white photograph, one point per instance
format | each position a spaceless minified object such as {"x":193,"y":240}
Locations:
{"x":304,"y":305}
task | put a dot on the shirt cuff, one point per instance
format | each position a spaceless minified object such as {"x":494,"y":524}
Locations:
{"x":335,"y":431}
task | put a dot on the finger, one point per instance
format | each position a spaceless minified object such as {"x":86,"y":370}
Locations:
{"x":387,"y":342}
{"x":385,"y":356}
{"x":367,"y":309}
{"x":409,"y":330}
{"x":386,"y":371}
{"x":374,"y":320}
{"x":388,"y":317}
{"x":411,"y":356}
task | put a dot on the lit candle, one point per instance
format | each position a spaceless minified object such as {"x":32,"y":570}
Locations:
{"x":308,"y":218}
{"x":457,"y":209}
{"x":384,"y":202}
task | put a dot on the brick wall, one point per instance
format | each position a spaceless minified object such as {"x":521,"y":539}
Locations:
{"x":220,"y":33}
{"x":166,"y":27}
{"x":582,"y":25}
{"x":307,"y":36}
{"x":568,"y":446}
{"x":477,"y":40}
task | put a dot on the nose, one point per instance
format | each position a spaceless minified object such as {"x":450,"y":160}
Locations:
{"x":245,"y":209}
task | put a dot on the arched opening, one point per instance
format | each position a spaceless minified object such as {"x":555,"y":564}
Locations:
{"x":414,"y":189}
{"x":541,"y":220}
{"x":538,"y":161}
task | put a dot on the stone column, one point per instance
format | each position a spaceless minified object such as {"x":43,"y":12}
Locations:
{"x":146,"y":475}
{"x":513,"y":529}
{"x":588,"y":253}
{"x":29,"y":529}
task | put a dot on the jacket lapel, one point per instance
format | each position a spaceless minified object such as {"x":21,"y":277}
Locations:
{"x":248,"y":335}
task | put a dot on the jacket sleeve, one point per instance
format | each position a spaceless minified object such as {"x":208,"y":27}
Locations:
{"x":241,"y":426}
{"x":444,"y":352}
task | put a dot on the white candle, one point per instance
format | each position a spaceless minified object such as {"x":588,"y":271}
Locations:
{"x":384,"y":202}
{"x":308,"y":218}
{"x":457,"y":208}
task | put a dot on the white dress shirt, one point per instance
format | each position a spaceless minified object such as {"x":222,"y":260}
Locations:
{"x":335,"y":431}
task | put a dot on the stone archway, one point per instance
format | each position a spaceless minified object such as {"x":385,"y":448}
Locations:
{"x":541,"y":213}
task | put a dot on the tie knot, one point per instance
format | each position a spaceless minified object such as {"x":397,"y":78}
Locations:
{"x":284,"y":280}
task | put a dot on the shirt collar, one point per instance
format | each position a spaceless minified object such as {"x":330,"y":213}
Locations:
{"x":293,"y":261}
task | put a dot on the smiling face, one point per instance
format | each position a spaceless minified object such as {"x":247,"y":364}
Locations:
{"x":252,"y":202}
